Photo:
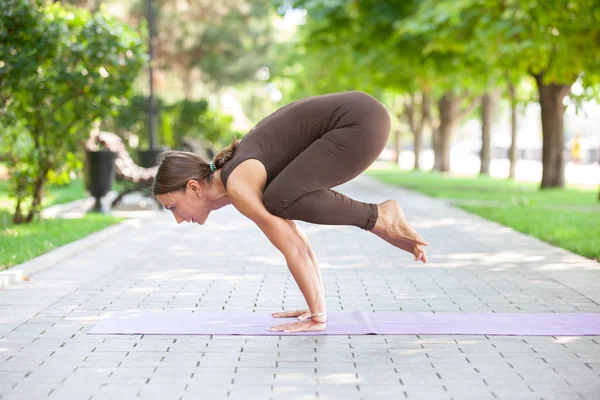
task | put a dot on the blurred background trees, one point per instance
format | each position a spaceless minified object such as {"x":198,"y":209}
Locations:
{"x":444,"y":69}
{"x":455,"y":54}
{"x":62,"y":69}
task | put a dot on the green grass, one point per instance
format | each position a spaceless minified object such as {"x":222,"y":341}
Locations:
{"x":567,"y":218}
{"x":19,"y":243}
{"x":578,"y":232}
{"x":486,"y":189}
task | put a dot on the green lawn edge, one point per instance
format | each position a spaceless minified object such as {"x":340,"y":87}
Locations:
{"x":21,"y":243}
{"x":567,"y":218}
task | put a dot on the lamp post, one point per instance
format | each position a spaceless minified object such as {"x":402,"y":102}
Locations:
{"x":148,"y":157}
{"x":152,"y":111}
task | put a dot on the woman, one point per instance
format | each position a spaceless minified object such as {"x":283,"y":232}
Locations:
{"x":282,"y":171}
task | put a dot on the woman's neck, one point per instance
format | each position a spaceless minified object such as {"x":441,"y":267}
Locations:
{"x":217,"y":192}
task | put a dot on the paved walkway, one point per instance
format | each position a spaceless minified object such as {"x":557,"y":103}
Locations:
{"x":154,"y":264}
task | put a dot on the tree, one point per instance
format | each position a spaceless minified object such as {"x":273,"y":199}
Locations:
{"x":183,"y":119}
{"x":554,"y":42}
{"x":215,"y":42}
{"x":62,"y":69}
{"x":397,"y":57}
{"x":512,"y":154}
{"x":417,"y":108}
{"x":329,"y":55}
{"x":91,"y":5}
{"x":488,"y":106}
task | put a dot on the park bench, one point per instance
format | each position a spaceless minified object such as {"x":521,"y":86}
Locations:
{"x":135,"y":178}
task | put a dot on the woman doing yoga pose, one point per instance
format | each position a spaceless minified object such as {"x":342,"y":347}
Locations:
{"x":283,"y":170}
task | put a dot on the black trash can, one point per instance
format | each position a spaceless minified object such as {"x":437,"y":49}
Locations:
{"x":99,"y":176}
{"x":148,"y":157}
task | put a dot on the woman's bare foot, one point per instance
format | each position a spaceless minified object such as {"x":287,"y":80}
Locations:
{"x":393,"y":227}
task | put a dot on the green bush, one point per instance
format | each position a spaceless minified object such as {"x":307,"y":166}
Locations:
{"x":61,"y":68}
{"x":183,"y":119}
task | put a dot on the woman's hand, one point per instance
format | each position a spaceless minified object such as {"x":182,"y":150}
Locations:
{"x":301,"y":314}
{"x":300,"y":326}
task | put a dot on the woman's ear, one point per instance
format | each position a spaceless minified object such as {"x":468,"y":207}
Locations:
{"x":195,"y":187}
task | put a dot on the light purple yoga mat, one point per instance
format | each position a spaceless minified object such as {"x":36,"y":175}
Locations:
{"x":354,"y":323}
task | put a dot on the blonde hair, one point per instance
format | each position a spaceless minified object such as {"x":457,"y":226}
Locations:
{"x":176,"y":168}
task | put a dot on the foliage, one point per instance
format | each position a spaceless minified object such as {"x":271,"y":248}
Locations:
{"x":182,"y":119}
{"x":326,"y":55}
{"x":365,"y":35}
{"x":237,"y":46}
{"x":457,"y":49}
{"x":215,"y":128}
{"x":215,"y":42}
{"x":558,"y":39}
{"x":130,"y":117}
{"x":188,"y":115}
{"x":68,"y":70}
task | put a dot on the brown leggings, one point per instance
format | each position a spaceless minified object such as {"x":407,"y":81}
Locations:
{"x":302,"y":190}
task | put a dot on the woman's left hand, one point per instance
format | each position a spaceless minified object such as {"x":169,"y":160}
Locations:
{"x":300,"y":314}
{"x":299,"y":326}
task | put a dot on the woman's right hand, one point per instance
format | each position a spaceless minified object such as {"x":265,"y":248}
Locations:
{"x":301,"y":314}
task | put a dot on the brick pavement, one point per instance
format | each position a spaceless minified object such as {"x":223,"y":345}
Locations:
{"x":228,"y":264}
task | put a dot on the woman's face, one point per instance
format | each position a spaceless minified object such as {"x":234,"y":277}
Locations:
{"x":188,"y":206}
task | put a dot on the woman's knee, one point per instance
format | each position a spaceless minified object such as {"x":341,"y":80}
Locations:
{"x":381,"y":120}
{"x":372,"y":114}
{"x":275,"y":204}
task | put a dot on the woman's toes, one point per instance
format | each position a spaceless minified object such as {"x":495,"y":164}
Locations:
{"x":421,"y":241}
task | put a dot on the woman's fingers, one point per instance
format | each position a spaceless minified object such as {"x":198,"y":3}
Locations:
{"x":420,"y":241}
{"x":289,"y":314}
{"x":299,"y":326}
{"x":304,"y":316}
{"x":278,"y":328}
{"x":421,"y":256}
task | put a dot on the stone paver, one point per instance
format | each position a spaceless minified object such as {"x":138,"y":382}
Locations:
{"x":227,"y":264}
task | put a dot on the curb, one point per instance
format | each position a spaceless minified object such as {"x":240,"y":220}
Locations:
{"x":23,"y":271}
{"x":80,"y":206}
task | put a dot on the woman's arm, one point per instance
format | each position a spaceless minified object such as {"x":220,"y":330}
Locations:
{"x":285,"y":237}
{"x":302,"y":314}
{"x":313,"y":258}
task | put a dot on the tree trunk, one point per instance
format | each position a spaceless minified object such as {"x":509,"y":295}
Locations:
{"x":435,"y":144}
{"x":18,"y":214}
{"x":21,"y":185}
{"x":513,"y":130}
{"x":398,"y":145}
{"x":38,"y":191}
{"x":425,"y":119}
{"x":487,"y":110}
{"x":418,"y":149}
{"x":449,"y":109}
{"x":417,"y":121}
{"x":446,"y":132}
{"x":551,"y":101}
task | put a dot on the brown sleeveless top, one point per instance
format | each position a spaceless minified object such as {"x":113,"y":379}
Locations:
{"x":279,"y":138}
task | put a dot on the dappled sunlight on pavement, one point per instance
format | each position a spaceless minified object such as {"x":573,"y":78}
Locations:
{"x":155,"y":265}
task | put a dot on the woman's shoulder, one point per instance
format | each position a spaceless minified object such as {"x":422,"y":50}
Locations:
{"x":249,"y":174}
